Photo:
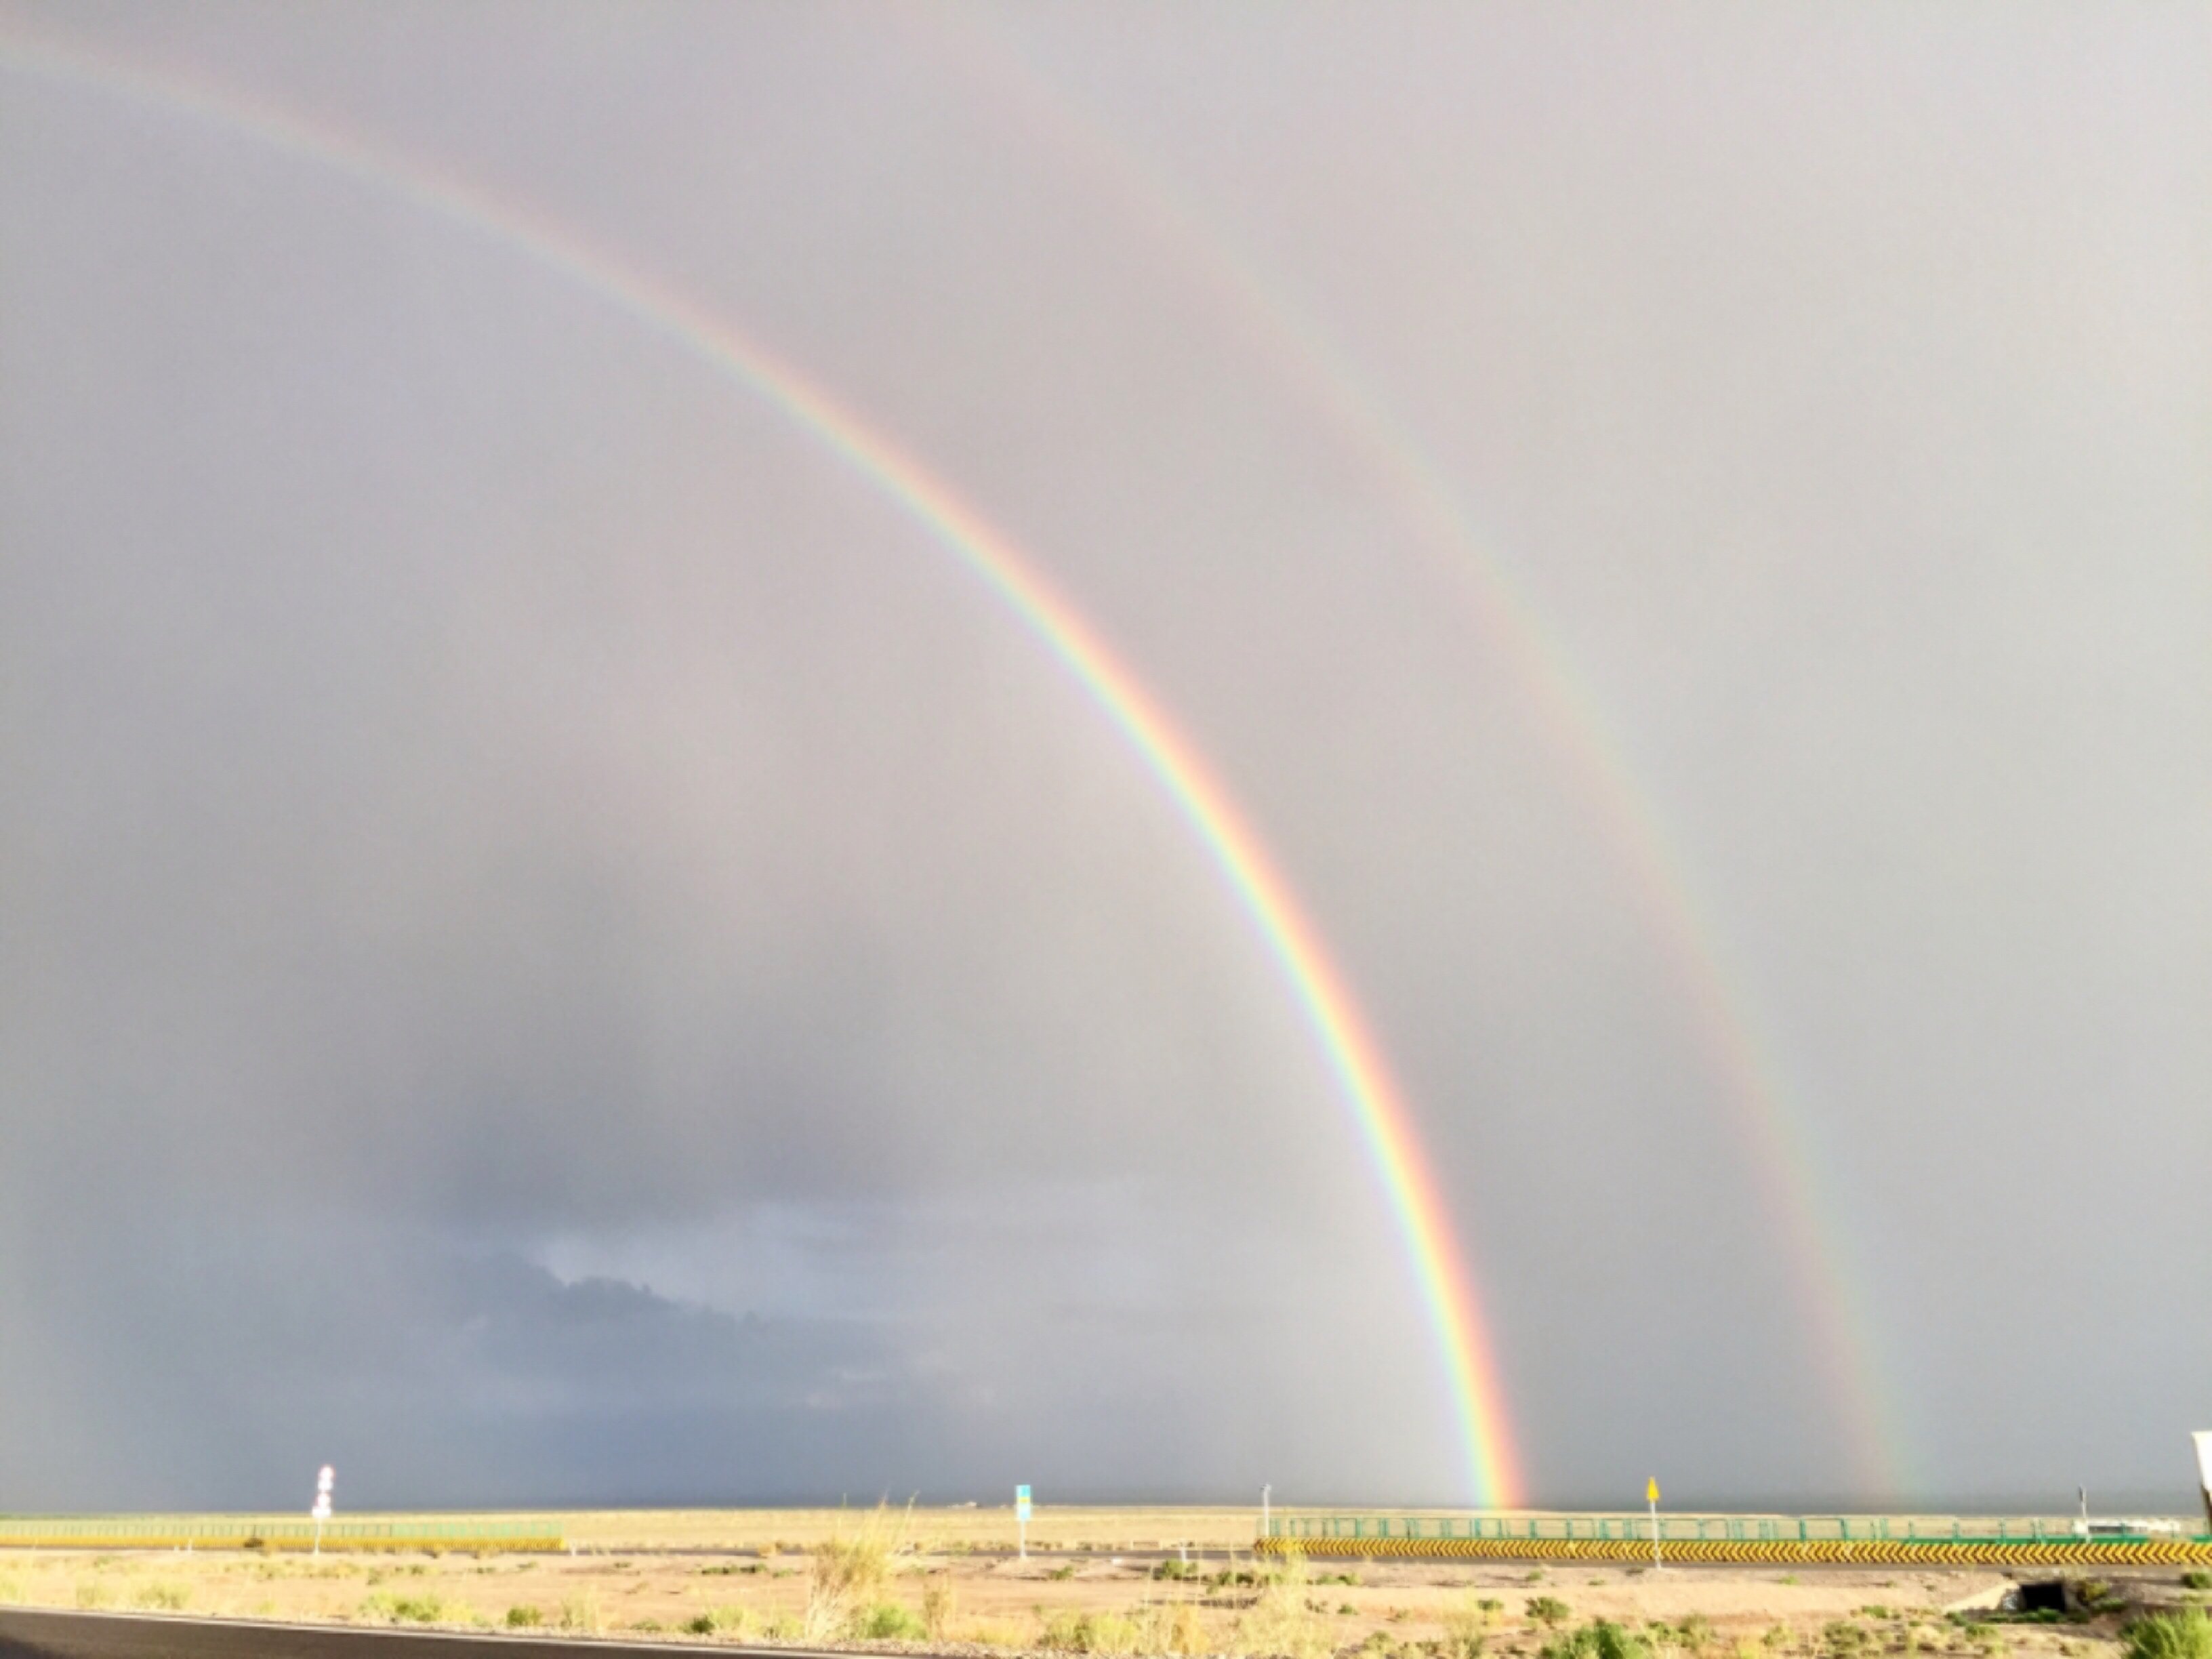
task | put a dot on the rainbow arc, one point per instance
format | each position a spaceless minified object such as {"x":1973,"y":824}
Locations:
{"x":1339,"y":1028}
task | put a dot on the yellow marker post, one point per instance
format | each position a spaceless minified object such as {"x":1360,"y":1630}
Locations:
{"x":1651,"y":1497}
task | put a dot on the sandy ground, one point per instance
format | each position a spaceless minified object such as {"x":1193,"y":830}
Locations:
{"x":1090,"y":1584}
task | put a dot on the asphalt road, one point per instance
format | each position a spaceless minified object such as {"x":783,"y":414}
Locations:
{"x":27,"y":1634}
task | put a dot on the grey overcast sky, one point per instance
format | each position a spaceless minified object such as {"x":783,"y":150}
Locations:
{"x":556,"y":945}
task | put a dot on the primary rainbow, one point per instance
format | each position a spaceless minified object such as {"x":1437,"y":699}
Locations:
{"x":1385,"y":1123}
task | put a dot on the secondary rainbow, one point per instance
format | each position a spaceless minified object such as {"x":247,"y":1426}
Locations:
{"x":1363,"y":1077}
{"x":1770,"y":1120}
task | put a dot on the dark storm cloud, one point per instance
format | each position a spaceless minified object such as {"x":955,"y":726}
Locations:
{"x":419,"y":1368}
{"x":493,"y":820}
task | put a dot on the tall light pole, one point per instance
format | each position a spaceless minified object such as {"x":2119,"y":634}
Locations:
{"x":1267,"y":1511}
{"x":322,"y":1510}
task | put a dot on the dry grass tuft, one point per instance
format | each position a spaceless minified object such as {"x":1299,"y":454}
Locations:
{"x":1154,"y":1628}
{"x":1281,"y":1621}
{"x":846,"y":1575}
{"x":2186,"y":1634}
{"x":1186,"y":1630}
{"x":1465,"y":1625}
{"x":938,"y":1604}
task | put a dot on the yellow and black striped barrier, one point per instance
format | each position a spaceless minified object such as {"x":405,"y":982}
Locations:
{"x":1629,"y":1551}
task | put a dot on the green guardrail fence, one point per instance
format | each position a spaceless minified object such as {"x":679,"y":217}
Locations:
{"x":271,"y":1533}
{"x":1997,"y":1530}
{"x":1994,"y":1540}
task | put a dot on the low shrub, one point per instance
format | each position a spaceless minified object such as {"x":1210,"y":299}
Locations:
{"x":1548,"y":1611}
{"x":1069,"y":1633}
{"x":1599,"y":1639}
{"x":887,"y":1621}
{"x":524,"y":1617}
{"x":405,"y":1609}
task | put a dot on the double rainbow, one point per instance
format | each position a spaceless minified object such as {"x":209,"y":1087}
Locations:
{"x":1772,"y":1125}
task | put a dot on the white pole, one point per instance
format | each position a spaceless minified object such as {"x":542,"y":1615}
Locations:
{"x":1651,"y":1497}
{"x":1267,"y":1512}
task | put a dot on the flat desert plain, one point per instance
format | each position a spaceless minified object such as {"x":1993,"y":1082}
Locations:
{"x":1101,"y":1580}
